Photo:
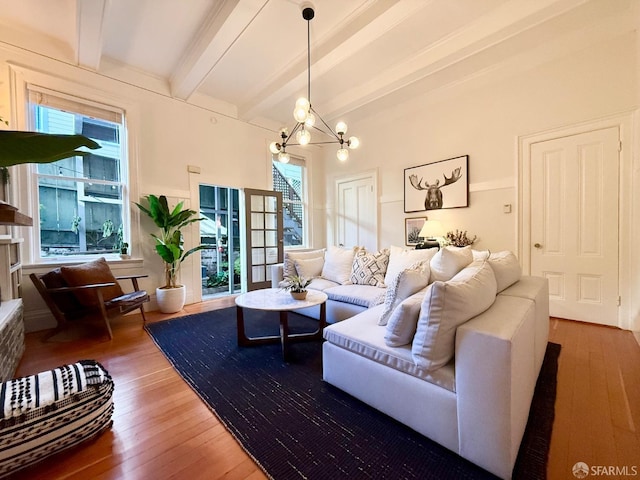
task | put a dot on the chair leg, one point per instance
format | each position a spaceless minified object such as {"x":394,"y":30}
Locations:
{"x":103,"y":311}
{"x":144,"y":319}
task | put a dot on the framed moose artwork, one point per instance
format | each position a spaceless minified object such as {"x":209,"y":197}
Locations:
{"x":443,"y":184}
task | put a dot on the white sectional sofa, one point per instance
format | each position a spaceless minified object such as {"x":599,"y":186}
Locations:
{"x":457,"y":360}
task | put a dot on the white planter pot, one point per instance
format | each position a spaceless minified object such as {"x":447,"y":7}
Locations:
{"x":171,"y":300}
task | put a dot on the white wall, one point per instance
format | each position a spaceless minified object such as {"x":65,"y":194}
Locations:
{"x":483,"y":118}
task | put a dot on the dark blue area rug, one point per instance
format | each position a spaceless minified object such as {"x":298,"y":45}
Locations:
{"x":296,"y":426}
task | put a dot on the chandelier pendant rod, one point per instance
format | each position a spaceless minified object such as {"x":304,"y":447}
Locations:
{"x":309,"y":62}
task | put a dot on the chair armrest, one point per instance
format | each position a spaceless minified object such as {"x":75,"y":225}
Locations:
{"x":131,"y":277}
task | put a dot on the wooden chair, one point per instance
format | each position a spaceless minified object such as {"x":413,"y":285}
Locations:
{"x":88,"y":291}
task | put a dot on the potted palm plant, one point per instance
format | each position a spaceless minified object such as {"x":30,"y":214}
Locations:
{"x":170,"y":246}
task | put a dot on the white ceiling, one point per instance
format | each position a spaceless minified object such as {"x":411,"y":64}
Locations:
{"x":251,"y":55}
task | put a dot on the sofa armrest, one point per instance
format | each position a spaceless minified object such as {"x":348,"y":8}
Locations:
{"x":277,"y":274}
{"x":495,"y":380}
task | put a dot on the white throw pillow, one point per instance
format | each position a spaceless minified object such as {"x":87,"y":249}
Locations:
{"x":506,"y":268}
{"x":369,"y":268}
{"x":403,"y":321}
{"x":406,"y":283}
{"x":401,"y":259}
{"x":449,"y":261}
{"x":446,"y":306}
{"x":310,"y":267}
{"x":289,"y":268}
{"x":337,"y":264}
{"x":480,"y":254}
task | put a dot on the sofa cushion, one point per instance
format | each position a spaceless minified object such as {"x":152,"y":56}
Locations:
{"x":400,"y":259}
{"x":309,"y":267}
{"x":506,"y":268}
{"x":362,"y":335}
{"x":97,"y":271}
{"x":403,"y":321}
{"x":337,"y":264}
{"x":289,"y":268}
{"x":449,"y":261}
{"x":448,"y":305}
{"x":363,"y":295}
{"x":405,"y":284}
{"x":369,"y":268}
{"x":321,"y":284}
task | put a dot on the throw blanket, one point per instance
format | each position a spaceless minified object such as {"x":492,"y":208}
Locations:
{"x":21,"y":395}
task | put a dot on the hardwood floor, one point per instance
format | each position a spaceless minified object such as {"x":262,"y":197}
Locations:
{"x":163,"y":430}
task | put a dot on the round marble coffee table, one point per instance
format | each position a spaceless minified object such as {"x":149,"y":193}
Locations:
{"x":276,"y":299}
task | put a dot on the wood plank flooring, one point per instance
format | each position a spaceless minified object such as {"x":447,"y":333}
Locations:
{"x":162,"y":430}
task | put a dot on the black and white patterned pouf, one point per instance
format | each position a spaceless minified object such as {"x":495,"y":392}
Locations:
{"x":43,"y":414}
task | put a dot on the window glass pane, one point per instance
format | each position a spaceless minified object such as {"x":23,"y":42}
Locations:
{"x":258,"y":273}
{"x":271,"y":204}
{"x":257,"y":220}
{"x":257,"y":203}
{"x":257,"y":256}
{"x":271,"y":221}
{"x":81,"y":198}
{"x":257,"y":238}
{"x":272,"y":255}
{"x":271,"y":238}
{"x":290,"y":180}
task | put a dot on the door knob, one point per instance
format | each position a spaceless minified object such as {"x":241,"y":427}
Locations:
{"x":537,"y":245}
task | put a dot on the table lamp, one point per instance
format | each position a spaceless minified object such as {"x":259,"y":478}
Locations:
{"x":430,"y":230}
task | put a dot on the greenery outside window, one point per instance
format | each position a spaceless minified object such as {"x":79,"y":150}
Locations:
{"x":290,"y":179}
{"x":81,"y":199}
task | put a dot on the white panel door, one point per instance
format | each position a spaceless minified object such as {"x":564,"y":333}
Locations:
{"x":574,"y":224}
{"x":357,"y":214}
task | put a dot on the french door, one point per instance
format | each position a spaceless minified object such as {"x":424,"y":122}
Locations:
{"x":264,"y":235}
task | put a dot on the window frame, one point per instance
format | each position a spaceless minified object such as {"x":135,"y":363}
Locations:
{"x":301,"y":162}
{"x":23,"y":189}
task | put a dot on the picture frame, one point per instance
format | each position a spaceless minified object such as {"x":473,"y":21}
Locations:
{"x":412,"y":227}
{"x":424,"y":184}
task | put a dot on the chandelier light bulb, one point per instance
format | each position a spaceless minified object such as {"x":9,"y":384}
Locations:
{"x":283,"y":157}
{"x":274,"y":147}
{"x":311,"y":120}
{"x":303,"y":136}
{"x":303,"y":103}
{"x":300,"y":114}
{"x":341,"y":128}
{"x":284,"y":131}
{"x":353,"y":142}
{"x":343,"y":154}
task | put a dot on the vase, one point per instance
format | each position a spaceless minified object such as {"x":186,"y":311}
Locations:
{"x":299,"y":295}
{"x":171,"y":300}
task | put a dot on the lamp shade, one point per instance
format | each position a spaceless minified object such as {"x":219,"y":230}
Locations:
{"x":431,"y":229}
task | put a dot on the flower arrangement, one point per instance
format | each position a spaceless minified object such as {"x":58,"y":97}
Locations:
{"x":459,"y":239}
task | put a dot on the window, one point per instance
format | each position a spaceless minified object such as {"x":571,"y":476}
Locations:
{"x":81,"y":199}
{"x":290,"y":179}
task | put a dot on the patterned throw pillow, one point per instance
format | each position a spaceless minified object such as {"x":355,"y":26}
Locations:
{"x":369,"y":268}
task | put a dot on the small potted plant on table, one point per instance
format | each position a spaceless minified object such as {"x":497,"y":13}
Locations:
{"x":297,"y":286}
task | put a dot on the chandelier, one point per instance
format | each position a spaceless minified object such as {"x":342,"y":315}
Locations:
{"x":307,"y":118}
